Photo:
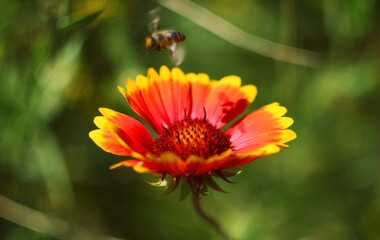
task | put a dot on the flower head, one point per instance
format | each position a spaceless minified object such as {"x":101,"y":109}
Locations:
{"x":187,"y":113}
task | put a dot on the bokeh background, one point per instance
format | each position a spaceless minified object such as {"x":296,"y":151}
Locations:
{"x":61,"y":60}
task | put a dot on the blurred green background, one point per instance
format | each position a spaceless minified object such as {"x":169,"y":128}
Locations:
{"x":61,"y":60}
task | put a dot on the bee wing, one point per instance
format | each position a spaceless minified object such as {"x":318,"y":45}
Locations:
{"x":177,"y":54}
{"x":155,"y":18}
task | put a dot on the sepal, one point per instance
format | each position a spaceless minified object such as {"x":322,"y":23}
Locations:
{"x":173,"y":185}
{"x":161,"y":182}
{"x":185,"y":191}
{"x":214,"y":185}
{"x":226,"y":173}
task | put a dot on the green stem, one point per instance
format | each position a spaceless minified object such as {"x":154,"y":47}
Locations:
{"x":206,"y":217}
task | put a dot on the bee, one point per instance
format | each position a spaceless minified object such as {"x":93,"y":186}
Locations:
{"x":160,"y":40}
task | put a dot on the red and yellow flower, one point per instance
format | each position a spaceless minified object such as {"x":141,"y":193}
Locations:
{"x":188,"y":113}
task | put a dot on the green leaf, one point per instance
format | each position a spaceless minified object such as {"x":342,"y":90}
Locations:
{"x":66,"y":24}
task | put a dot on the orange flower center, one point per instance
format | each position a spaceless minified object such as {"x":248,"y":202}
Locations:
{"x":192,"y":137}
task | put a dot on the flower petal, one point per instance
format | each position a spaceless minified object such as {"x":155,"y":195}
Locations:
{"x":261,"y":132}
{"x":227,"y":100}
{"x":107,"y":141}
{"x":118,"y":131}
{"x":200,"y":90}
{"x":159,"y":99}
{"x":170,"y":163}
{"x":166,"y":163}
{"x":168,"y":96}
{"x":137,"y":165}
{"x":198,"y":166}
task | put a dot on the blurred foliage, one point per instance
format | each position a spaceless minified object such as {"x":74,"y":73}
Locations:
{"x":61,"y":60}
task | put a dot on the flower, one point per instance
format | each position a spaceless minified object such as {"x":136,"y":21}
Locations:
{"x":188,"y":113}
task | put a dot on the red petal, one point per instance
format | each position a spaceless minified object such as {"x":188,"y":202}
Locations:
{"x":200,"y":90}
{"x":198,"y":166}
{"x":227,"y":100}
{"x":160,"y":100}
{"x":169,"y":96}
{"x":261,"y":132}
{"x":137,"y":165}
{"x":107,"y":141}
{"x":129,"y":132}
{"x":165,"y":163}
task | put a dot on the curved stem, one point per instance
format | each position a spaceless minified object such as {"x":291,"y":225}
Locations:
{"x":236,"y":36}
{"x":206,"y":217}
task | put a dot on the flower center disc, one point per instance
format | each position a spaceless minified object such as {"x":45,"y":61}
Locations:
{"x":192,"y":137}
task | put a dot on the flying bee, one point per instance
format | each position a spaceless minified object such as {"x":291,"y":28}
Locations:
{"x":161,"y":40}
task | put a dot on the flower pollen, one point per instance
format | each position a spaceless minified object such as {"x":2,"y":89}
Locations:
{"x":192,"y":137}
